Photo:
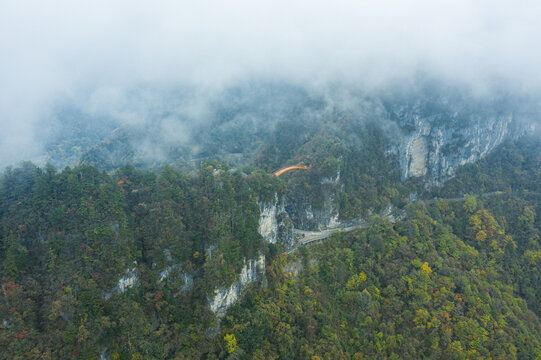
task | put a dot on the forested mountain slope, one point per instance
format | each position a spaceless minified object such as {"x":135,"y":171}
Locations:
{"x":139,"y":265}
{"x":432,"y":128}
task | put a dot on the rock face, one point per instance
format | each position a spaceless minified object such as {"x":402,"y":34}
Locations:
{"x":439,"y":139}
{"x":274,"y":222}
{"x":223,"y":298}
{"x":435,"y":151}
{"x":416,"y":154}
{"x":103,"y":355}
{"x":279,"y":218}
{"x":305,"y":217}
{"x":127,"y":281}
{"x":187,"y":279}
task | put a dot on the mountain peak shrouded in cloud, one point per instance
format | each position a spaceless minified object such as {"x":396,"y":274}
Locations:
{"x":91,"y":54}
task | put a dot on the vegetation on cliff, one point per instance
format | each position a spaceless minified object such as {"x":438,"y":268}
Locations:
{"x":95,"y":262}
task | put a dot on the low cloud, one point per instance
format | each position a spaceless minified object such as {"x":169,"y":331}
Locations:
{"x":99,"y":54}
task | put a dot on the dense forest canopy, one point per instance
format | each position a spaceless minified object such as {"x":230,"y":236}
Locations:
{"x":123,"y":263}
{"x":141,"y":215}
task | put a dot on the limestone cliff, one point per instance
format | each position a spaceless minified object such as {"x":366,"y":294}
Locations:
{"x":275,"y":224}
{"x":223,"y":298}
{"x":440,"y":135}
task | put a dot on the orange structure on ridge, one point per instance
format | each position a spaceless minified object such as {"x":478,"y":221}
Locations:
{"x":289,"y":168}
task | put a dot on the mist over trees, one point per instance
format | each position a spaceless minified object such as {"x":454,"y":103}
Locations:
{"x":140,"y":217}
{"x":112,"y":62}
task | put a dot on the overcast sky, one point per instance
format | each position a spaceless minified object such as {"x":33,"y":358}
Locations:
{"x":55,"y":49}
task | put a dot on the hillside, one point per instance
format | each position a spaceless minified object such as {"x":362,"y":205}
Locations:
{"x":270,"y":180}
{"x":134,"y":264}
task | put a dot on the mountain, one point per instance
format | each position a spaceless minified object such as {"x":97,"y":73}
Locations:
{"x":433,"y":129}
{"x":414,"y":234}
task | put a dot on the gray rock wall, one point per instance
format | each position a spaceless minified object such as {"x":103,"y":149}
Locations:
{"x":275,"y":224}
{"x":223,"y":298}
{"x":450,"y":136}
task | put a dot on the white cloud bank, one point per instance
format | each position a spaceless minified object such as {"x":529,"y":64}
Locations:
{"x":61,"y":49}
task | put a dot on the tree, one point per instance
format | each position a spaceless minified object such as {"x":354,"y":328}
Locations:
{"x":230,"y":342}
{"x":470,"y":203}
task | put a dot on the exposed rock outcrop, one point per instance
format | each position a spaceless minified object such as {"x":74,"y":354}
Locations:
{"x":304,"y":216}
{"x":274,"y":222}
{"x":127,"y":281}
{"x":187,"y":279}
{"x":223,"y":298}
{"x":450,"y":134}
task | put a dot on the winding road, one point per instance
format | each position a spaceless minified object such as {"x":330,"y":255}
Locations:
{"x":305,"y":237}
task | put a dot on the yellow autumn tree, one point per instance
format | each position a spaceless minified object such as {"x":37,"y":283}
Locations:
{"x":486,"y":229}
{"x":425,"y":268}
{"x":230,"y":342}
{"x":355,"y":281}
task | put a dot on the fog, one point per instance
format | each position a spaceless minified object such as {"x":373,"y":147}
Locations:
{"x":93,"y":55}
